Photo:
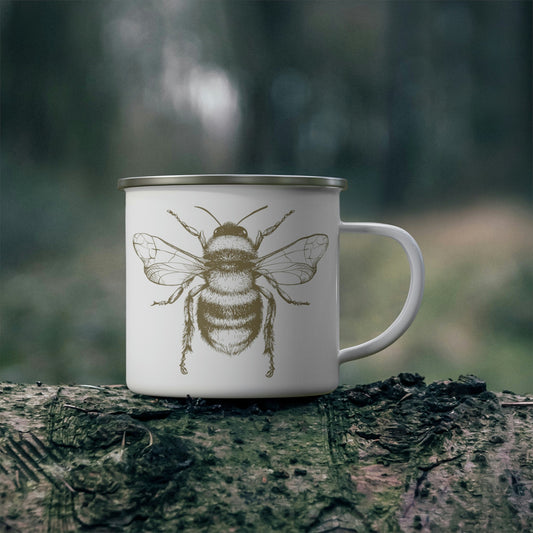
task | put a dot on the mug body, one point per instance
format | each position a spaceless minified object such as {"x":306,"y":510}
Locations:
{"x":232,"y":288}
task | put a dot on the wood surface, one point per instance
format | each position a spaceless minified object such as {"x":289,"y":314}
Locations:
{"x":397,"y":455}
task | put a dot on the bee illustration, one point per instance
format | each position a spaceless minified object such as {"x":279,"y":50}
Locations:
{"x":229,"y":300}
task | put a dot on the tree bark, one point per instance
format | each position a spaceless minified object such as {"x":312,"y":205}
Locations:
{"x":397,"y":455}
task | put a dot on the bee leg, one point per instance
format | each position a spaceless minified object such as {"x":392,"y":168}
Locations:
{"x":171,"y":299}
{"x":268,"y":329}
{"x":176,"y":294}
{"x":188,"y":329}
{"x":262,"y":234}
{"x":183,"y":368}
{"x":190,"y":229}
{"x":271,"y":369}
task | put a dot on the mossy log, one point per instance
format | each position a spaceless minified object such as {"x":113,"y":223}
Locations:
{"x":397,"y":455}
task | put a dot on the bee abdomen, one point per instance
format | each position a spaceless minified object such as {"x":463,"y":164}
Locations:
{"x":229,"y":322}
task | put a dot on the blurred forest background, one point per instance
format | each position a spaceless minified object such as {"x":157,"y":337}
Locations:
{"x":425,"y":107}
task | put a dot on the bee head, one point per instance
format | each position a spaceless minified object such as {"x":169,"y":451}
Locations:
{"x":230,"y":235}
{"x":229,"y":228}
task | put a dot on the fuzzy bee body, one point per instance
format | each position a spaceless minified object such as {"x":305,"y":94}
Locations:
{"x":230,"y":311}
{"x":228,"y":327}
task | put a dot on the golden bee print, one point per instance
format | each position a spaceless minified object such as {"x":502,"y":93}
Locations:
{"x":228,"y":302}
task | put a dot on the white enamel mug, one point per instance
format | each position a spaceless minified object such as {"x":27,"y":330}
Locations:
{"x":232,"y":285}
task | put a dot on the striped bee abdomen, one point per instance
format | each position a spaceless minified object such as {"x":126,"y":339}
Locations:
{"x":229,"y":321}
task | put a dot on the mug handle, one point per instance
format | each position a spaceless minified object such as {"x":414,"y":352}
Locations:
{"x":414,"y":296}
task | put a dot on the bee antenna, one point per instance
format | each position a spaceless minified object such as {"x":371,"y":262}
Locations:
{"x":209,"y":213}
{"x":252,"y":213}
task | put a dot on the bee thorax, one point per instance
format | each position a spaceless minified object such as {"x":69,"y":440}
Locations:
{"x":229,"y":243}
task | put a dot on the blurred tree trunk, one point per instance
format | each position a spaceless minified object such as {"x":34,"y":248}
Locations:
{"x":458,"y":100}
{"x":404,"y":44}
{"x":59,"y":98}
{"x":264,"y":47}
{"x":393,"y":455}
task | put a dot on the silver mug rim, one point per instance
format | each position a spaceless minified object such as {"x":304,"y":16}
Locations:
{"x":233,"y":179}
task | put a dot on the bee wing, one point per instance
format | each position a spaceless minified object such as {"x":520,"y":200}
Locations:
{"x":295,"y":263}
{"x":164,"y":263}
